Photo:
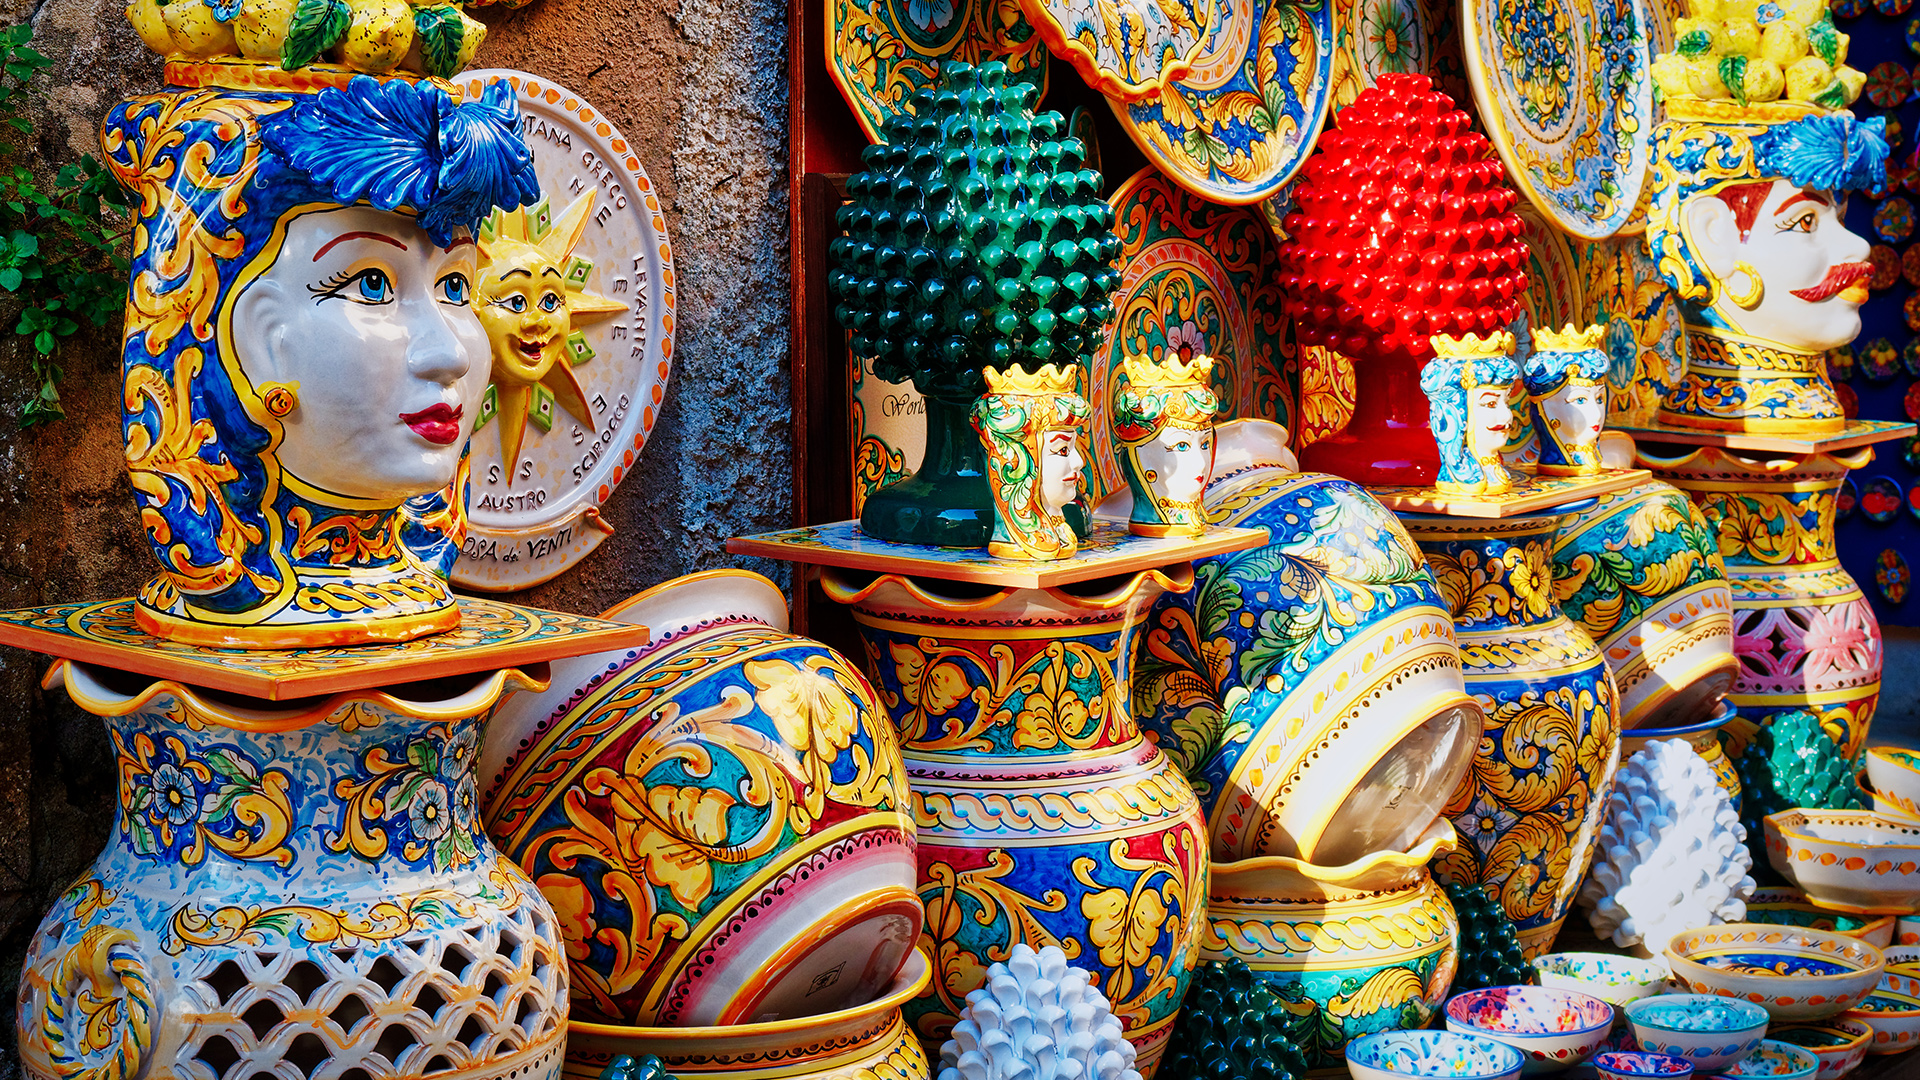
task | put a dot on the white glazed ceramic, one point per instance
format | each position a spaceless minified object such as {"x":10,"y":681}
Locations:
{"x":1552,"y":1029}
{"x":1397,"y":1055}
{"x":1712,"y":1032}
{"x":1839,"y":1045}
{"x":1040,"y":1018}
{"x":1893,"y":1012}
{"x":1615,"y":980}
{"x":1794,"y":973}
{"x":1848,"y":860}
{"x":1895,"y":773}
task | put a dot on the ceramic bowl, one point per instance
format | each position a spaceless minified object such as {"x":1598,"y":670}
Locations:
{"x":1791,"y":972}
{"x":1615,"y":980}
{"x":1712,"y":1032}
{"x":1783,"y":906}
{"x":1839,"y":1045}
{"x":1893,"y":1012}
{"x":1553,"y":1029}
{"x":1895,"y":774}
{"x":1395,"y":1055}
{"x":1640,"y":1065}
{"x":1883,"y":805}
{"x":1906,"y":931}
{"x":1774,"y":1060}
{"x":1848,"y":860}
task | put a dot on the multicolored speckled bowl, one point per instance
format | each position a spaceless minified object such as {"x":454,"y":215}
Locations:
{"x":1396,"y":1055}
{"x":1552,"y":1029}
{"x":1640,"y":1065}
{"x":1712,"y":1032}
{"x":1774,"y":1060}
{"x":1615,"y":980}
{"x":1839,"y":1045}
{"x":1792,"y":972}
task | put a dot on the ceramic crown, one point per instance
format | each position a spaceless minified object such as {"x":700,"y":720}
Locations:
{"x":1145,"y":373}
{"x":1019,"y":382}
{"x":1473,"y":346}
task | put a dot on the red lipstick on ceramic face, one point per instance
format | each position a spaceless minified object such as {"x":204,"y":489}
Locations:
{"x":438,"y":424}
{"x":1838,"y":279}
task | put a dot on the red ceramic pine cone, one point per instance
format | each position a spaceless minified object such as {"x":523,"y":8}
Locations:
{"x":1403,"y":227}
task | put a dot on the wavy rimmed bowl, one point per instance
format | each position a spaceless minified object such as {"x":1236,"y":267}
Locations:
{"x":1712,"y":1032}
{"x":1613,"y":979}
{"x":1793,"y":973}
{"x":1839,"y":1045}
{"x":1552,"y":1029}
{"x":1848,"y":860}
{"x":1395,"y":1055}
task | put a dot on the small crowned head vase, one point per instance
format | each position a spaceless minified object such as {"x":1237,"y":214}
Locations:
{"x":1163,"y":422}
{"x":1467,"y":384}
{"x":1566,"y":375}
{"x":302,"y":363}
{"x":1030,"y":424}
{"x":1745,"y":222}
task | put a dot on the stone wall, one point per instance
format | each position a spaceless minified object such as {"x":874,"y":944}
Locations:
{"x":699,"y":86}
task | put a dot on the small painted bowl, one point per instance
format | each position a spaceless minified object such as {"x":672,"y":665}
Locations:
{"x":1906,"y":931}
{"x":1784,"y":906}
{"x":1893,"y":1012}
{"x":1395,"y":1055}
{"x":1639,"y":1065}
{"x":1774,"y":1060}
{"x":1615,"y":980}
{"x":1848,"y":860}
{"x":1895,"y":773}
{"x":1712,"y":1032}
{"x":1553,"y":1029}
{"x":1839,"y":1045}
{"x":1791,"y":972}
{"x":1883,"y":805}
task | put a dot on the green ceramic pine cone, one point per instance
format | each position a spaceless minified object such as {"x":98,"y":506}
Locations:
{"x":1489,"y":949}
{"x":1232,"y":1027}
{"x":1791,"y":762}
{"x":628,"y":1067}
{"x":973,"y":239}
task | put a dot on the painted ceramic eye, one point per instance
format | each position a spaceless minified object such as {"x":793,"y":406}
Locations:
{"x":371,"y":287}
{"x":1182,"y":446}
{"x":515,"y":303}
{"x":550,"y":302}
{"x":454,"y":289}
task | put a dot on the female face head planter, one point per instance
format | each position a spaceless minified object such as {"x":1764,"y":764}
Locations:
{"x":1163,"y":422}
{"x":1029,"y":424}
{"x":1467,"y":385}
{"x":1567,"y":397}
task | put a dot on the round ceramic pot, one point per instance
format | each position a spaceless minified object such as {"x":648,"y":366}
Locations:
{"x":867,"y":1041}
{"x":1804,"y":633}
{"x":1530,"y":807}
{"x":1362,"y":948}
{"x":1043,"y":815}
{"x":1640,"y":572}
{"x":1310,"y":688}
{"x":1703,"y":736}
{"x":721,"y":818}
{"x":292,"y":883}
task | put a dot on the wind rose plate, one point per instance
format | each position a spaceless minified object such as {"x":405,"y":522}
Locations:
{"x":881,"y":52}
{"x":1237,"y":126}
{"x":1126,"y":49}
{"x":1196,"y":278}
{"x":1565,"y":92}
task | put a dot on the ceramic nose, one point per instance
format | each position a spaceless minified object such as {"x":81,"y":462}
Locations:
{"x":434,"y":351}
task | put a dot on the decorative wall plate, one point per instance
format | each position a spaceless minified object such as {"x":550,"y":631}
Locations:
{"x":1660,"y":17}
{"x":1126,"y":49}
{"x":1195,"y":278}
{"x":1553,"y":297}
{"x":532,"y":518}
{"x":1566,"y":96}
{"x":1237,"y":126}
{"x":879,"y":52}
{"x":1375,"y":36}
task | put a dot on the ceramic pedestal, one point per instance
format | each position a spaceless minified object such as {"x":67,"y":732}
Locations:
{"x":297,"y":889}
{"x":1529,"y":808}
{"x":1805,"y":635}
{"x":1043,"y":816}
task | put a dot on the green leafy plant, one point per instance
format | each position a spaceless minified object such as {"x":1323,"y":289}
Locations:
{"x":60,"y":243}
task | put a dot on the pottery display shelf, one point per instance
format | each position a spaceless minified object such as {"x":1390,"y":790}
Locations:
{"x":1530,"y":495}
{"x":1857,"y":433}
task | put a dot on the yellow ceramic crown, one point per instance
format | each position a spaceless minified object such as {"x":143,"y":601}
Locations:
{"x":1473,"y":346}
{"x":1144,"y":373}
{"x":1568,"y":339}
{"x":1725,"y":53}
{"x":1019,"y":381}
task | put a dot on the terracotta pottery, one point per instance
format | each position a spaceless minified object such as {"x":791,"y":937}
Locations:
{"x":720,"y":818}
{"x":1640,"y":571}
{"x":1704,"y":737}
{"x":1530,"y":807}
{"x":1043,"y":816}
{"x":290,"y":883}
{"x":1804,"y":633}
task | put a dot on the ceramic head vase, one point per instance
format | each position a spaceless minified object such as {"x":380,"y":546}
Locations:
{"x":1566,"y":376}
{"x":1745,"y":220}
{"x":301,"y":355}
{"x":1163,"y":422}
{"x":1467,"y":384}
{"x":1037,"y":1018}
{"x":1030,"y":424}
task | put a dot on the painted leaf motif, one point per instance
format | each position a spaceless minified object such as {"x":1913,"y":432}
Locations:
{"x":317,"y":25}
{"x":440,"y":32}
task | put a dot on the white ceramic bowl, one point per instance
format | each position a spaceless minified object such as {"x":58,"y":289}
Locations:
{"x":1552,"y":1029}
{"x":1895,"y":774}
{"x":1712,"y":1032}
{"x":1790,"y":971}
{"x":1839,"y":1045}
{"x":1848,"y":860}
{"x":1893,"y":1012}
{"x":1613,"y":979}
{"x":1442,"y":1055}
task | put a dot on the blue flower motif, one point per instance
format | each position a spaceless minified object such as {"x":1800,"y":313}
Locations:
{"x":427,"y":811}
{"x":930,"y":15}
{"x":466,"y":802}
{"x":175,"y":796}
{"x":456,"y":760}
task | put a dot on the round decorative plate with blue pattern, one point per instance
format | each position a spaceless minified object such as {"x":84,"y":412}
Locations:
{"x":1565,"y":93}
{"x":880,"y":52}
{"x":1237,"y":126}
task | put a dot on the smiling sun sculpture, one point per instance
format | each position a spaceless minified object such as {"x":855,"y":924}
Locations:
{"x":532,"y":291}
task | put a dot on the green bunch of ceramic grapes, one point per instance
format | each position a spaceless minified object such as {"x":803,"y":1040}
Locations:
{"x":1489,"y":949}
{"x":1791,"y":762}
{"x":974,"y":238}
{"x":1235,"y":1026}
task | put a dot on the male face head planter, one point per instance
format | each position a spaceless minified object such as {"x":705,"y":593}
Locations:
{"x":1030,"y":426}
{"x":302,"y":363}
{"x":1566,"y":376}
{"x":1163,"y":421}
{"x":1467,"y":383}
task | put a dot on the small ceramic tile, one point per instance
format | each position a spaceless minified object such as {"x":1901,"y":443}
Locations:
{"x":1892,"y":575}
{"x":1892,"y":8}
{"x":1888,"y":84}
{"x":1879,"y":360}
{"x":1847,"y":499}
{"x":1886,"y":267}
{"x":1910,"y":452}
{"x":1912,"y":311}
{"x":1913,"y":501}
{"x":1893,"y":220}
{"x":1913,"y":35}
{"x":1849,"y":9}
{"x":1910,"y":265}
{"x":1880,"y":499}
{"x":1841,"y":364}
{"x":1912,"y":401}
{"x":1910,"y":357}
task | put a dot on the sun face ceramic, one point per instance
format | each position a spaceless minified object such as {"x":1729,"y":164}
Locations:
{"x":1030,"y":425}
{"x":881,"y":52}
{"x":1852,"y":861}
{"x":1387,"y":1055}
{"x":1566,"y":379}
{"x":1552,"y":1029}
{"x":1558,"y":84}
{"x":1468,"y":384}
{"x":1711,"y":1032}
{"x":1791,"y":972}
{"x":1163,"y":426}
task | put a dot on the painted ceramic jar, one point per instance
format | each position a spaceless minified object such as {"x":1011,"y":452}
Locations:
{"x":721,"y":818}
{"x":1530,"y":807}
{"x":292,"y":883}
{"x":867,"y":1041}
{"x":1640,"y":572}
{"x":1310,"y":688}
{"x":1804,"y":633}
{"x":1043,"y":815}
{"x":1704,"y":737}
{"x":1355,"y":949}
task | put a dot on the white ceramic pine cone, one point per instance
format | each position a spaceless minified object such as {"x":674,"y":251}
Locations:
{"x":1672,"y":854}
{"x":1037,"y":1018}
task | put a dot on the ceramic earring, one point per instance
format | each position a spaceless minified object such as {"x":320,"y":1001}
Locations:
{"x":1029,"y":423}
{"x":1566,"y":377}
{"x":1163,"y":425}
{"x":1467,"y":383}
